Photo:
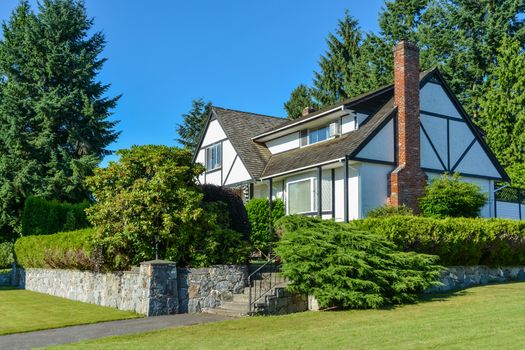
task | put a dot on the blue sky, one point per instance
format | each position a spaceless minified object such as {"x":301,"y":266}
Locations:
{"x":245,"y":55}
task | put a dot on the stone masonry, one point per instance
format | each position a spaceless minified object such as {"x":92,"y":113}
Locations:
{"x":205,"y":288}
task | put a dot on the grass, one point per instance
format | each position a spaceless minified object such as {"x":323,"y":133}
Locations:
{"x":24,"y":311}
{"x":479,"y":318}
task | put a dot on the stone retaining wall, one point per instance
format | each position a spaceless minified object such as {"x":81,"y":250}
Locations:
{"x":150,"y":289}
{"x":206,"y":288}
{"x":461,"y":277}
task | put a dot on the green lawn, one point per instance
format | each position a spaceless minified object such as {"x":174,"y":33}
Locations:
{"x":486,"y":317}
{"x":24,"y":311}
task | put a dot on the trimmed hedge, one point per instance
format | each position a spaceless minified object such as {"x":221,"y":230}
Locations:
{"x":457,"y":241}
{"x":6,"y":255}
{"x":259,"y":214}
{"x":44,"y":217}
{"x":349,"y":268}
{"x":64,"y":250}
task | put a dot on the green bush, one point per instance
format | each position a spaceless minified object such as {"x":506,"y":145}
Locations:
{"x":263,"y":236}
{"x":449,"y":196}
{"x":457,"y":241}
{"x":389,"y":210}
{"x":238,"y":218}
{"x":65,"y":250}
{"x":43,"y":217}
{"x":6,"y":255}
{"x":347,"y":268}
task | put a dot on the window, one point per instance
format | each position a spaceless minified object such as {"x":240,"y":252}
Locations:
{"x":318,"y":135}
{"x":300,"y":196}
{"x":213,"y":157}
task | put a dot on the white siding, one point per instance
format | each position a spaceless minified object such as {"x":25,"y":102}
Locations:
{"x":450,"y":137}
{"x":353,"y":193}
{"x":510,"y":210}
{"x":283,"y":143}
{"x":213,"y":178}
{"x":434,"y":99}
{"x":214,"y":133}
{"x":374,"y":186}
{"x":348,"y":123}
{"x":381,"y":147}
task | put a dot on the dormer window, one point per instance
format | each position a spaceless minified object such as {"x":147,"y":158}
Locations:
{"x":213,"y":157}
{"x":323,"y":133}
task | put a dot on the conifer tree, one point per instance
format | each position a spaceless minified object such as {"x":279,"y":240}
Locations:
{"x":502,"y":110}
{"x":193,"y":123}
{"x":54,"y":126}
{"x":300,"y":99}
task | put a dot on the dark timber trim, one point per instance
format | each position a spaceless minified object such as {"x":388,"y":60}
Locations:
{"x":463,"y":154}
{"x":346,"y":188}
{"x":433,"y":147}
{"x":442,"y":116}
{"x":319,"y":191}
{"x":448,"y":144}
{"x":377,"y":161}
{"x":333,"y":192}
{"x":229,"y":171}
{"x":486,"y":177}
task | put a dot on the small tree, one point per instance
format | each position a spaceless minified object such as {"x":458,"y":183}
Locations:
{"x":148,"y":198}
{"x":263,"y":235}
{"x":449,"y":196}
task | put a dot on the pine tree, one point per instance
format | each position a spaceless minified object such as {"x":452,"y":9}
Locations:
{"x":193,"y":123}
{"x":335,"y":65}
{"x":502,"y":109}
{"x":300,"y":99}
{"x":54,"y":126}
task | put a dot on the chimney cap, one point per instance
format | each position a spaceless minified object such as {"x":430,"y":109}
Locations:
{"x":308,"y":110}
{"x":405,"y":44}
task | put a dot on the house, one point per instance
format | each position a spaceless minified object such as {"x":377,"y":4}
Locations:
{"x":342,"y":161}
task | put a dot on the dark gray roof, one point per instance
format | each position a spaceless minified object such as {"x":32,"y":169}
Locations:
{"x":338,"y":148}
{"x":240,"y":127}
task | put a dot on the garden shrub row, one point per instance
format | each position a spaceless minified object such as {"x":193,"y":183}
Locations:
{"x":6,"y":255}
{"x":44,"y":217}
{"x":457,"y":241}
{"x":348,"y":268}
{"x":64,"y":250}
{"x":262,"y":237}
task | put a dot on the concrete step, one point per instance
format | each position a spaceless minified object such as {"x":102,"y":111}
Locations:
{"x":233,"y":305}
{"x":226,"y":312}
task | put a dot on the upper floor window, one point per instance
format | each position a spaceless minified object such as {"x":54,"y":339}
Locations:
{"x":318,"y":135}
{"x":315,"y":135}
{"x":213,"y":157}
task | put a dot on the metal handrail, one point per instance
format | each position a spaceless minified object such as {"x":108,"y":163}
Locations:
{"x":253,"y":298}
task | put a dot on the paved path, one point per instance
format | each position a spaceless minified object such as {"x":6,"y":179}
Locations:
{"x":98,"y":330}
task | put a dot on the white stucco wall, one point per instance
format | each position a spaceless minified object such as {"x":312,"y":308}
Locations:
{"x":374,"y":189}
{"x":381,"y":147}
{"x":434,"y":99}
{"x":284,"y":143}
{"x":510,"y":210}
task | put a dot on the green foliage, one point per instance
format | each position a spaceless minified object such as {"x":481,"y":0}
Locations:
{"x":389,"y":210}
{"x":54,"y":126}
{"x":237,"y":217}
{"x":43,"y":217}
{"x":348,"y":268}
{"x":300,"y":98}
{"x":263,"y":235}
{"x":457,"y":241}
{"x":193,"y":124}
{"x":66,"y":250}
{"x":503,"y":110}
{"x":149,"y":194}
{"x":6,"y":255}
{"x":449,"y":196}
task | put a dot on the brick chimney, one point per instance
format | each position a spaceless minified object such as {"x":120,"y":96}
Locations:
{"x":407,"y":180}
{"x":308,"y":110}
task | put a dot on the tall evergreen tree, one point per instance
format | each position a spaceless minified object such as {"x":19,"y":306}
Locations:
{"x":502,"y":109}
{"x":54,"y":126}
{"x":335,"y":65}
{"x":193,"y":123}
{"x":300,"y":99}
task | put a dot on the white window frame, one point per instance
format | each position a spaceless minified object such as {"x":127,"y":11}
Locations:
{"x":312,"y":195}
{"x":219,"y":166}
{"x":327,"y":126}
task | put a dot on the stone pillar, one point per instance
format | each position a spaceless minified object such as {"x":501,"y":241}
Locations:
{"x":160,"y":282}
